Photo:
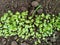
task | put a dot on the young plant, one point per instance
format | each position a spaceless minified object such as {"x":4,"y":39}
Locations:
{"x":27,"y":27}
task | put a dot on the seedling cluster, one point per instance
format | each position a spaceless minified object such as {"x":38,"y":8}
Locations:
{"x":26,"y":27}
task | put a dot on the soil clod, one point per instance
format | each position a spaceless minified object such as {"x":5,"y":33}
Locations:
{"x":34,"y":3}
{"x":40,"y":11}
{"x":14,"y":43}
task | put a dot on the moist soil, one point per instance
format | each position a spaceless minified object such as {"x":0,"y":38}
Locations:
{"x":48,"y":6}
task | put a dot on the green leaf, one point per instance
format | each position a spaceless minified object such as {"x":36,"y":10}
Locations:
{"x":43,"y":15}
{"x":27,"y":21}
{"x":47,"y":16}
{"x":17,"y":13}
{"x":31,"y":30}
{"x":1,"y":34}
{"x":23,"y":36}
{"x":24,"y":13}
{"x":32,"y":33}
{"x":0,"y":25}
{"x":30,"y":17}
{"x":39,"y":41}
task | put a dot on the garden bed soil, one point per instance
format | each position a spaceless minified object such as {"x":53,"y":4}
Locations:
{"x":15,"y":40}
{"x":50,"y":6}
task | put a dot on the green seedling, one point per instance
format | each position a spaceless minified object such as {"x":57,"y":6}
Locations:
{"x":39,"y":27}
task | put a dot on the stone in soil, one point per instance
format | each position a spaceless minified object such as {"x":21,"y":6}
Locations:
{"x":23,"y":9}
{"x":40,"y":11}
{"x":4,"y":41}
{"x":14,"y":43}
{"x":15,"y":37}
{"x":34,"y":3}
{"x":24,"y":43}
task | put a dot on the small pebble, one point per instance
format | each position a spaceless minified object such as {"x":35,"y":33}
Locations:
{"x":40,"y":11}
{"x":23,"y":9}
{"x":4,"y":41}
{"x":15,"y":37}
{"x":14,"y":43}
{"x":34,"y":3}
{"x":24,"y":43}
{"x":53,"y":39}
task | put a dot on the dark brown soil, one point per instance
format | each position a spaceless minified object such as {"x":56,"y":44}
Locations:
{"x":48,"y":6}
{"x":15,"y":40}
